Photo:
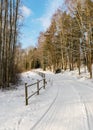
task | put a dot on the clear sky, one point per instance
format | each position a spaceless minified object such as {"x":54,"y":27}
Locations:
{"x":37,"y":15}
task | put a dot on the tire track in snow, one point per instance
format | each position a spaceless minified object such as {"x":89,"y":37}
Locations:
{"x":49,"y":116}
{"x":86,"y":111}
{"x":46,"y":111}
{"x":84,"y":103}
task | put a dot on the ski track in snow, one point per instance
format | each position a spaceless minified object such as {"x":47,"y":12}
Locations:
{"x":65,"y":105}
{"x":70,"y":114}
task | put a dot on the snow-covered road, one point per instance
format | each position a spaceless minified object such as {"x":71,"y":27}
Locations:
{"x":72,"y":108}
{"x":65,"y":104}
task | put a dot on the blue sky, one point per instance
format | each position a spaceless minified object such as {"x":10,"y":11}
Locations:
{"x":37,"y":15}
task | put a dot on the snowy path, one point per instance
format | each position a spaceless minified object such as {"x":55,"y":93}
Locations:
{"x":65,"y":105}
{"x":71,"y":110}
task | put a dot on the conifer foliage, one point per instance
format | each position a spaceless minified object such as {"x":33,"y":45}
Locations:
{"x":68,"y":42}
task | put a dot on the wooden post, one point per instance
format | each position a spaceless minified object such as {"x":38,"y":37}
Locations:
{"x":44,"y":82}
{"x":26,"y":95}
{"x":37,"y":87}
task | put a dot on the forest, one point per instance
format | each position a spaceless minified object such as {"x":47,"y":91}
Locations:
{"x":66,"y":44}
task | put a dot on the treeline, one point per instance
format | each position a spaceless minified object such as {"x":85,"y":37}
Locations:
{"x":27,"y":59}
{"x":68,"y":42}
{"x":9,"y":26}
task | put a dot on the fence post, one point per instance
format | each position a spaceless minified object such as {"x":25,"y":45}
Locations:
{"x":26,"y":94}
{"x":37,"y":87}
{"x":44,"y":81}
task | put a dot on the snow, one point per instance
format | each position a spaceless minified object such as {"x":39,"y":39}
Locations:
{"x":65,"y":104}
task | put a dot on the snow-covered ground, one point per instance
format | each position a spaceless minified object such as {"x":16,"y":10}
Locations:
{"x":65,"y":104}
